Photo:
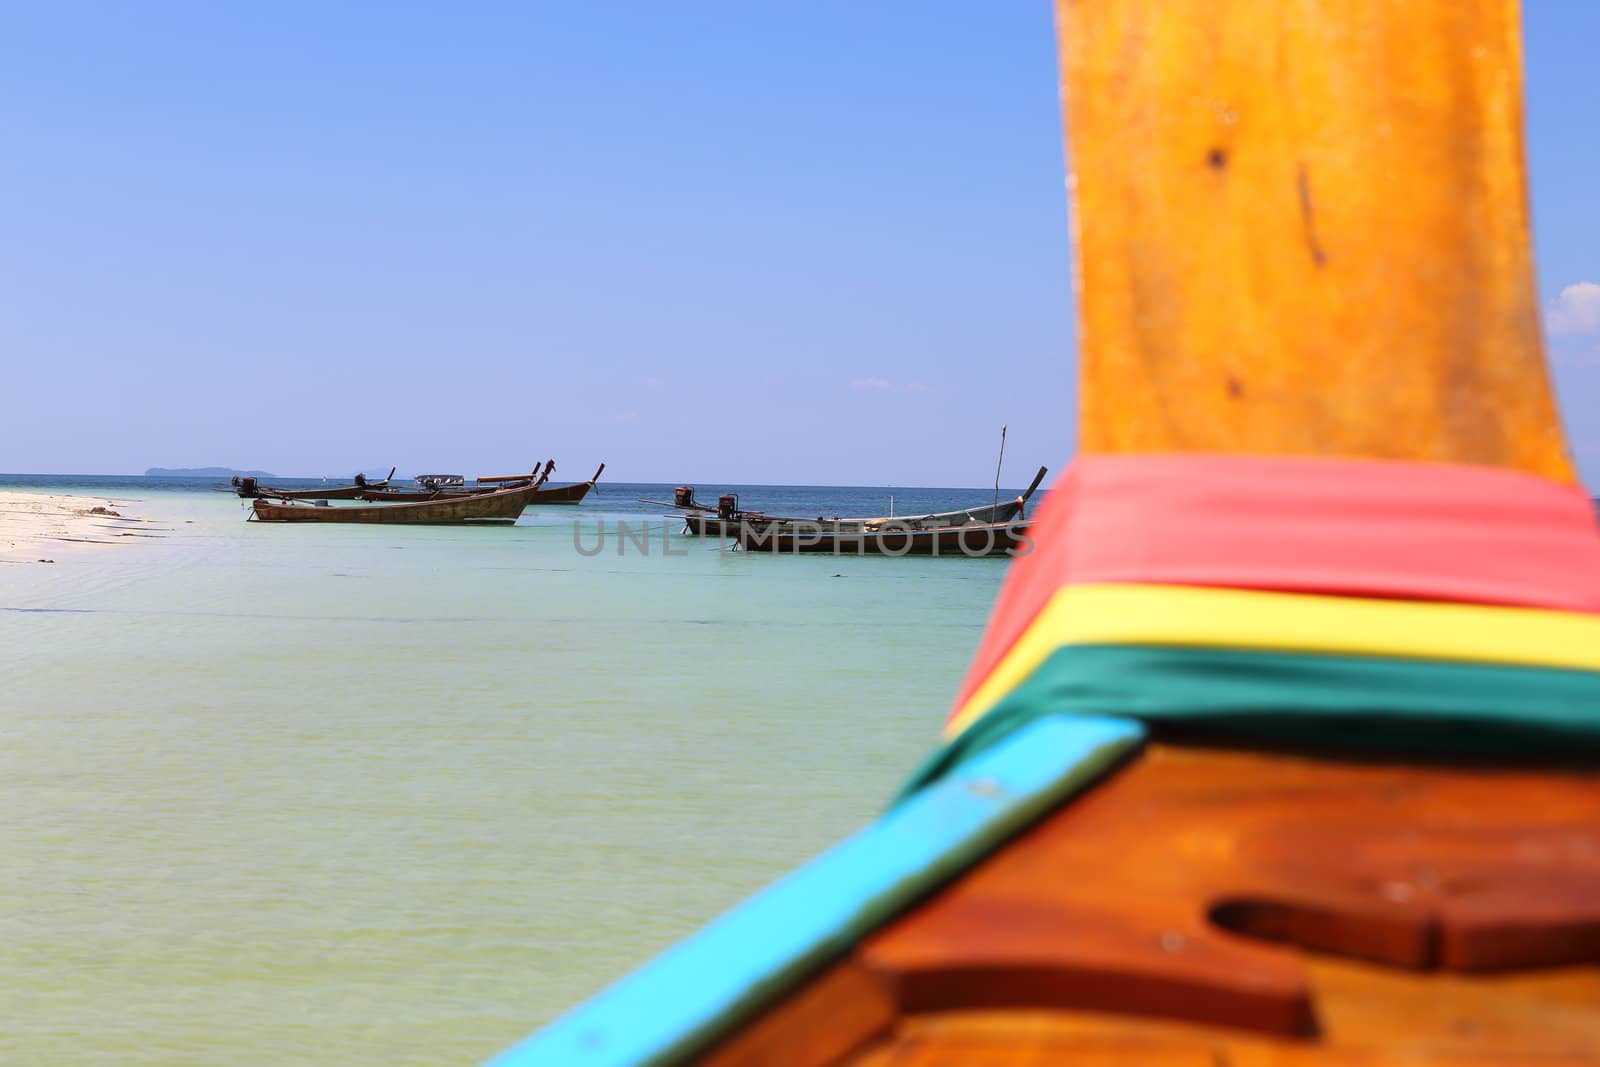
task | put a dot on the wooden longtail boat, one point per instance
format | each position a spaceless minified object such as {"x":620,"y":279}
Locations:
{"x":503,"y":479}
{"x":1283,"y":745}
{"x":700,"y":520}
{"x":559,"y":494}
{"x":249,"y":490}
{"x":502,"y":506}
{"x":402,"y":495}
{"x":397,"y":495}
{"x":568,"y":494}
{"x":969,"y":539}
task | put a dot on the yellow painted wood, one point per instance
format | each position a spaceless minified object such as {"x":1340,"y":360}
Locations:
{"x":1301,"y":227}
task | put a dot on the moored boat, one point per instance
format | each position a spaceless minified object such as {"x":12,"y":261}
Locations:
{"x":568,"y":494}
{"x":501,"y":506}
{"x":404,"y":495}
{"x":971,"y":539}
{"x":1283,"y":746}
{"x":728,"y":520}
{"x":433,"y":490}
{"x":248,"y":488}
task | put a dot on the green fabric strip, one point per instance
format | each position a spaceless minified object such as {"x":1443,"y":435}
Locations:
{"x":1405,"y":706}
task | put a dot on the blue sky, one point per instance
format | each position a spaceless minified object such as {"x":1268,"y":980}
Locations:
{"x":752,"y":243}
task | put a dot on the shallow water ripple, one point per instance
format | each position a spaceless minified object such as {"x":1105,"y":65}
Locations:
{"x":375,"y":796}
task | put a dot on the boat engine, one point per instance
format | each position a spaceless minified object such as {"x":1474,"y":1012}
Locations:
{"x":246,"y":487}
{"x":683,"y":496}
{"x":728,"y":507}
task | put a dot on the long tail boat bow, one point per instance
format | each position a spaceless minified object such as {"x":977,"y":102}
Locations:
{"x":1281,"y":747}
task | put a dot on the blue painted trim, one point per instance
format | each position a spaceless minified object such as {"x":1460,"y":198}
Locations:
{"x":699,"y":989}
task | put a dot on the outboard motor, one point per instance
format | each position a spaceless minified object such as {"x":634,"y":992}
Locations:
{"x":361,"y":480}
{"x":683,"y":496}
{"x":247,"y":487}
{"x":727,"y":507}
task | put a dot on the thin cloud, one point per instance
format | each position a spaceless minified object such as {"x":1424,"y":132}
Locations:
{"x":1576,"y":312}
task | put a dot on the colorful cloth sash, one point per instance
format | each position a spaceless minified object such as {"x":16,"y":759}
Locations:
{"x":1370,"y":577}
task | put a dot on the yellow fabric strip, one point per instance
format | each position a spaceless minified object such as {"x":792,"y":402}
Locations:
{"x":1116,"y":614}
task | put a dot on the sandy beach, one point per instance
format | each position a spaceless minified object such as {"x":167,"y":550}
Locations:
{"x":52,"y":527}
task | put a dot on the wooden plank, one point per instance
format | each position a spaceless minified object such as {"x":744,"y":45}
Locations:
{"x":1196,"y":884}
{"x":827,"y":1020}
{"x":1302,"y":229}
{"x":1122,"y":1045}
{"x":1002,"y":1051}
{"x":1368,"y":1015}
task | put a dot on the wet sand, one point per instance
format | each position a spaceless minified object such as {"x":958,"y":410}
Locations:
{"x":54,"y":527}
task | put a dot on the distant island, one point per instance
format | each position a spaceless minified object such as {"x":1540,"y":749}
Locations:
{"x":203,"y":472}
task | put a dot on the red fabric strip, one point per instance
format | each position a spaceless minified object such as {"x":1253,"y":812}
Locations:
{"x":1347,"y":527}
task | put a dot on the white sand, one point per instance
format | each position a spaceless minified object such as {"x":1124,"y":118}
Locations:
{"x":47,"y":527}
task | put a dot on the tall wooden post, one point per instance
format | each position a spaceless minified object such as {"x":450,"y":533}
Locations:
{"x":1301,"y":228}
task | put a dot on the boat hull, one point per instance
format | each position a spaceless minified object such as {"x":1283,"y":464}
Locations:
{"x":498,"y":507}
{"x":337,"y":492}
{"x":971,"y":540}
{"x":415,"y":496}
{"x":563,"y":494}
{"x":1280,"y":952}
{"x":567,"y":494}
{"x":707,"y":523}
{"x":249,"y":489}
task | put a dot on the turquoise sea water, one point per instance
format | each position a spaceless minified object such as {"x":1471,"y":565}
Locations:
{"x":337,"y":794}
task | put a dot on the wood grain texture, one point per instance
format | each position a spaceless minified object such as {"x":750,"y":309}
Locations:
{"x":1186,"y":886}
{"x":833,"y":1016}
{"x":1301,"y":228}
{"x":977,"y":1050}
{"x":1010,"y":1040}
{"x":1255,"y":909}
{"x":1370,"y":1015}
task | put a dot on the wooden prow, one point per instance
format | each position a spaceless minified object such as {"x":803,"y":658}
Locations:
{"x":1033,"y":486}
{"x":1302,"y":229}
{"x":1301,"y":232}
{"x":597,"y":474}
